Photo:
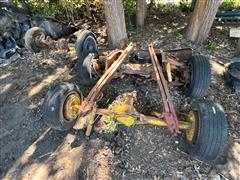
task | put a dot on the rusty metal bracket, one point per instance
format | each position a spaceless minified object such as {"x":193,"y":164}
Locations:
{"x":170,"y":116}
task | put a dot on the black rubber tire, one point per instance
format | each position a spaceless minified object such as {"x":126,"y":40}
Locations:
{"x":29,"y":39}
{"x":200,"y":76}
{"x":211,"y":132}
{"x":81,"y":51}
{"x":84,"y":71}
{"x":84,"y":57}
{"x":53,"y":106}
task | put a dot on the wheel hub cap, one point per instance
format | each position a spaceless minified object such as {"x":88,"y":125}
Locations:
{"x":71,"y":106}
{"x":191,"y":132}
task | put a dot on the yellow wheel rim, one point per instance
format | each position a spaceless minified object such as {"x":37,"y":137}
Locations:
{"x":190,"y":133}
{"x":71,"y":106}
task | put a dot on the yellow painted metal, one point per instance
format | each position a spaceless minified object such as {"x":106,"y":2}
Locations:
{"x":123,"y":108}
{"x":161,"y":123}
{"x":120,"y":113}
{"x":123,"y":114}
{"x":157,"y":114}
{"x":156,"y":122}
{"x":128,"y":116}
{"x":71,"y":106}
{"x":126,"y":120}
{"x":191,"y":131}
{"x":168,"y":70}
{"x":184,"y":125}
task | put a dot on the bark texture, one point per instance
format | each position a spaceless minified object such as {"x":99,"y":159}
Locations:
{"x":141,"y":12}
{"x":116,"y":27}
{"x":88,"y":11}
{"x":201,"y":20}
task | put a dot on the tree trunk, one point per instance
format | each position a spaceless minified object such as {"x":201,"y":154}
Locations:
{"x":141,"y":12}
{"x":89,"y":14}
{"x":116,"y":27}
{"x":192,"y":5}
{"x":202,"y":20}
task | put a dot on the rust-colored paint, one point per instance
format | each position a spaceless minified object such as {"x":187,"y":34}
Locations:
{"x":169,"y":113}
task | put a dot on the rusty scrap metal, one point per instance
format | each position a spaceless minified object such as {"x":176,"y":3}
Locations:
{"x":91,"y":99}
{"x":43,"y":42}
{"x":111,"y":58}
{"x":177,"y":65}
{"x":102,"y":63}
{"x":169,"y":59}
{"x":109,"y":63}
{"x":181,"y":54}
{"x":174,"y":63}
{"x":169,"y":113}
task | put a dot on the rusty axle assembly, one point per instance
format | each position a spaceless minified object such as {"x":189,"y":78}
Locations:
{"x":204,"y":125}
{"x":125,"y":113}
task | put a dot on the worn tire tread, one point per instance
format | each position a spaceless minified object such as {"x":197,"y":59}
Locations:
{"x":212,"y":132}
{"x":53,"y":104}
{"x":201,"y":76}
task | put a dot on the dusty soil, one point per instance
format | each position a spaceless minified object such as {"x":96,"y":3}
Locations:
{"x":29,"y":149}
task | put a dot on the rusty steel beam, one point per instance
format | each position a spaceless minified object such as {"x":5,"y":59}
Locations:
{"x":169,"y":114}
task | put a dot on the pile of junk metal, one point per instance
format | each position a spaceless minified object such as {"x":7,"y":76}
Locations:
{"x":20,"y":29}
{"x":16,"y":22}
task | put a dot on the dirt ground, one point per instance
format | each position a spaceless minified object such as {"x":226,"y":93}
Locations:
{"x":31,"y":150}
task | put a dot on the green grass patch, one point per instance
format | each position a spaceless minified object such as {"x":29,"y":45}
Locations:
{"x":228,"y":5}
{"x":180,"y":37}
{"x":213,"y":45}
